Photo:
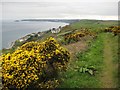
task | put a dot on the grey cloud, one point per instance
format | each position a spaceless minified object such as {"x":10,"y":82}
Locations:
{"x":59,"y":9}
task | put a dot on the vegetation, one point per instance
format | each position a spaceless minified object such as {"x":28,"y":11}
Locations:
{"x":113,"y":29}
{"x":91,"y":62}
{"x":34,"y":65}
{"x":83,"y":71}
{"x":110,"y":69}
{"x":94,"y":25}
{"x":76,"y":36}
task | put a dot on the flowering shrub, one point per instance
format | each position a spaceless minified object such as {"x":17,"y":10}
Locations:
{"x":74,"y":37}
{"x":34,"y":64}
{"x":113,"y":29}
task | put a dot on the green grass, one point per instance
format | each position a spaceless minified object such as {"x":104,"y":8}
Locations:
{"x":114,"y":40}
{"x":72,"y":78}
{"x":114,"y":46}
{"x":92,"y":57}
{"x":94,"y":25}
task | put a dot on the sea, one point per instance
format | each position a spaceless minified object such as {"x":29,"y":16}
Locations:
{"x":12,"y":30}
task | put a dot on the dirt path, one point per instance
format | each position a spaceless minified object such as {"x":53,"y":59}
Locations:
{"x":107,"y":73}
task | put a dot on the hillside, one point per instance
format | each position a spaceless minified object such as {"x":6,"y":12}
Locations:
{"x":93,"y":48}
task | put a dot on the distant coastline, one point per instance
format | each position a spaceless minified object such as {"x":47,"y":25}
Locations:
{"x":19,"y":29}
{"x":32,"y":31}
{"x":53,"y":20}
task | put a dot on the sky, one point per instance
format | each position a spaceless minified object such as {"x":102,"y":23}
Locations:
{"x":59,"y":9}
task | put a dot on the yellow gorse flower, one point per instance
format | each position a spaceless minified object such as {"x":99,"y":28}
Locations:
{"x":76,"y":36}
{"x":32,"y":63}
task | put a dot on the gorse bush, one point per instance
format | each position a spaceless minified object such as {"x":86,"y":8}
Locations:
{"x":34,"y":65}
{"x":76,"y":36}
{"x":113,"y":29}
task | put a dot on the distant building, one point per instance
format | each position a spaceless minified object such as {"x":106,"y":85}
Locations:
{"x":40,"y":34}
{"x":24,"y":38}
{"x":56,"y":30}
{"x":21,"y":40}
{"x":33,"y":34}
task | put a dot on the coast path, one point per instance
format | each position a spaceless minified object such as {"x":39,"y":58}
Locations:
{"x":107,"y":75}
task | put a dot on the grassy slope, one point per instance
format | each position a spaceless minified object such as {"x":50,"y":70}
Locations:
{"x":115,"y":52}
{"x":91,"y":57}
{"x":94,"y":57}
{"x":108,"y":65}
{"x":110,"y":69}
{"x":94,"y":25}
{"x":103,"y":57}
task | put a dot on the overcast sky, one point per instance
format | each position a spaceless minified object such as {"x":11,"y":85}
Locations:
{"x":60,"y":9}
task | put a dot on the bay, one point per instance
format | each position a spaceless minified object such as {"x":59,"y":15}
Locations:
{"x":12,"y":31}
